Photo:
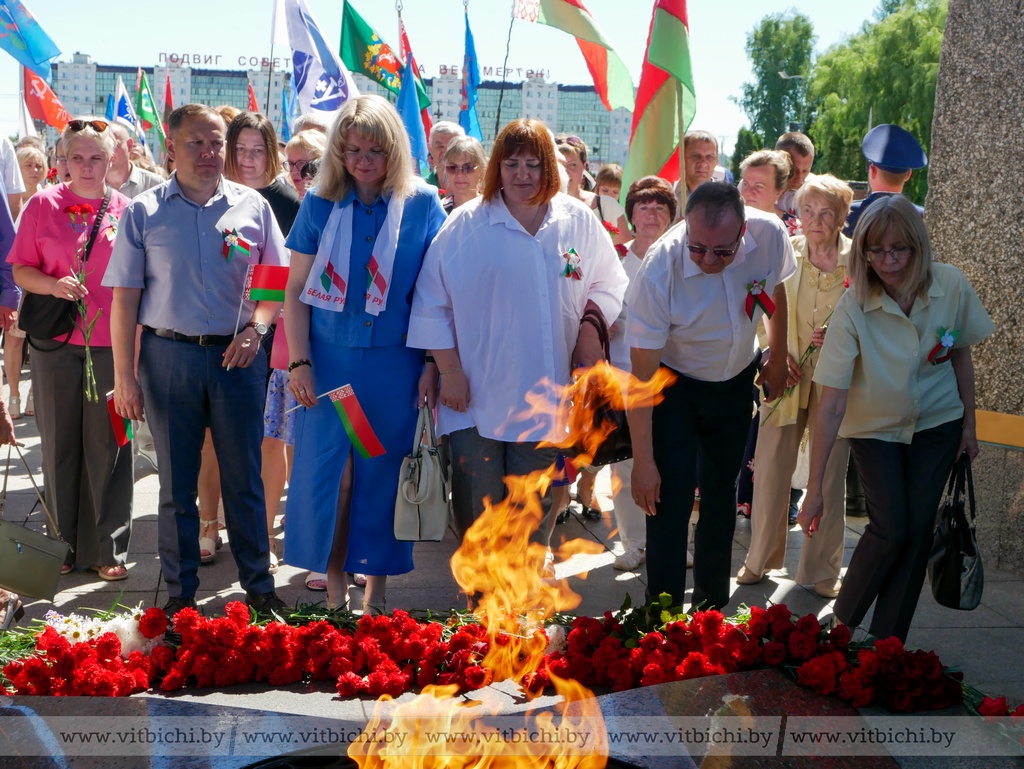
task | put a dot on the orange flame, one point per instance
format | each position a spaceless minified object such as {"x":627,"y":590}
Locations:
{"x":502,"y":562}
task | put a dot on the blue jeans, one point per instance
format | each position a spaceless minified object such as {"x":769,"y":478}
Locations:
{"x":187,"y":389}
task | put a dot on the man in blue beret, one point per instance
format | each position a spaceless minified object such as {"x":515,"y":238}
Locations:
{"x":893,"y":154}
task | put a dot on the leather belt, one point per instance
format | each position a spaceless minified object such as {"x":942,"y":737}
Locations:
{"x":204,"y":340}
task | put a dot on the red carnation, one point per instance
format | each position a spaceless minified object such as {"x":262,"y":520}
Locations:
{"x":840,"y":636}
{"x":153,"y":623}
{"x":809,"y":624}
{"x":801,"y":645}
{"x":889,"y":648}
{"x":774,"y":653}
{"x":994,"y":706}
{"x":621,"y":249}
{"x":612,"y":229}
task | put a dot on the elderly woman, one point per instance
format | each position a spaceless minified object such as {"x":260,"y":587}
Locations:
{"x":813,"y":291}
{"x":463,"y":167}
{"x":62,"y":249}
{"x":500,"y":306}
{"x":357,"y":247}
{"x":303,"y":148}
{"x":897,"y":380}
{"x":651,"y":207}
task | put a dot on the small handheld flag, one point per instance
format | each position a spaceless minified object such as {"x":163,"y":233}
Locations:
{"x":266,"y":282}
{"x":122,"y":425}
{"x":364,"y":440}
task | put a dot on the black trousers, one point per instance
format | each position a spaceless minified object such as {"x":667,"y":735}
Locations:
{"x":903,"y":485}
{"x":709,"y":422}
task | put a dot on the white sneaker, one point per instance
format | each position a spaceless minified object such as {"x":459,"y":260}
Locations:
{"x":630,"y":559}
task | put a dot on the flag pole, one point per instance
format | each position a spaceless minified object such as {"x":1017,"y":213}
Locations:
{"x":270,"y":74}
{"x":300,"y":406}
{"x":682,"y":151}
{"x":504,"y":69}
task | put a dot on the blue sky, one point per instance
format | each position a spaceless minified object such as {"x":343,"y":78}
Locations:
{"x":135,"y":33}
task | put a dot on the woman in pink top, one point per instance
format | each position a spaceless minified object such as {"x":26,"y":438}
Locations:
{"x":88,"y":478}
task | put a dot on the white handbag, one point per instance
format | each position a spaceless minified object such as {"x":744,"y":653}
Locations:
{"x":421,"y":507}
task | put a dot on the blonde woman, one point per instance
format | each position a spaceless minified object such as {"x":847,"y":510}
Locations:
{"x":462,"y":166}
{"x":303,"y":148}
{"x":368,"y":208}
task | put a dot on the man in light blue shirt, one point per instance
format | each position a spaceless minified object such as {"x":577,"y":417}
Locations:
{"x":178,"y":268}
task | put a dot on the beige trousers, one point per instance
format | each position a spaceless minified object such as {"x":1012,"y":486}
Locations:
{"x":775,"y":456}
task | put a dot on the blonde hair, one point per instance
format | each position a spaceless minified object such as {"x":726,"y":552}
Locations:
{"x":104,"y":137}
{"x":777,"y":160}
{"x":896,"y":215}
{"x":463,"y":147}
{"x":28,"y":151}
{"x":836,"y":193}
{"x":375,"y":120}
{"x":311,"y":142}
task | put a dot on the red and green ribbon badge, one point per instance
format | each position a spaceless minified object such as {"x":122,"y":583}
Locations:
{"x":758,"y":297}
{"x":572,"y":265}
{"x":235,"y":244}
{"x":122,"y":425}
{"x":363,"y":438}
{"x":943,"y":351}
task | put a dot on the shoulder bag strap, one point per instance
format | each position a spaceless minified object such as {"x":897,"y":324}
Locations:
{"x":96,"y":226}
{"x":970,"y":486}
{"x":596,"y":319}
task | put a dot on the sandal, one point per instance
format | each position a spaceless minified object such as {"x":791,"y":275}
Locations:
{"x":359,"y":580}
{"x":114,"y":573}
{"x":13,"y":611}
{"x":316,"y":581}
{"x":30,"y":409}
{"x":273,"y":562}
{"x":14,"y":407}
{"x":208,"y":544}
{"x":66,"y":568}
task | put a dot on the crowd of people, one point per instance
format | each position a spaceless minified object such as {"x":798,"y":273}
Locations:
{"x":473,"y":291}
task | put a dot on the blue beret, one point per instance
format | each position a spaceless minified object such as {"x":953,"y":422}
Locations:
{"x":893,"y":149}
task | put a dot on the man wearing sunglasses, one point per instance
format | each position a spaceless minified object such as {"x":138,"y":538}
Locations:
{"x":180,"y":261}
{"x":695,"y":306}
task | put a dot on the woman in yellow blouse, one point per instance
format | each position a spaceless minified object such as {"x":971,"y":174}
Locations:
{"x":898,"y":381}
{"x":822,"y":256}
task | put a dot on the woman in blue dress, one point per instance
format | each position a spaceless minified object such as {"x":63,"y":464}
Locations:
{"x":357,"y":246}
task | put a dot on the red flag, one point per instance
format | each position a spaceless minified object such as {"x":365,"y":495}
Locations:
{"x":43,"y":103}
{"x":122,"y":425}
{"x":404,"y":50}
{"x":168,"y":100}
{"x":253,"y":104}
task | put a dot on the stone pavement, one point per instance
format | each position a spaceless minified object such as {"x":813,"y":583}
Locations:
{"x":984,"y":644}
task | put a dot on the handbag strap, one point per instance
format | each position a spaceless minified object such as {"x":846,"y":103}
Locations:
{"x":51,"y":522}
{"x":96,"y":225}
{"x":967,"y":479}
{"x":596,"y":319}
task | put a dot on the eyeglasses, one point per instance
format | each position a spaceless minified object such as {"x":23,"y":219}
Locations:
{"x":721,"y":253}
{"x":373,"y":156}
{"x":897,"y":253}
{"x":298,"y":165}
{"x":465,"y":168}
{"x":99,"y":126}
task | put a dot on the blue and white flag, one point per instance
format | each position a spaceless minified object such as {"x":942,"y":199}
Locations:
{"x":23,"y":38}
{"x":408,"y":107}
{"x":124,"y":112}
{"x":321,"y":81}
{"x":470,"y":82}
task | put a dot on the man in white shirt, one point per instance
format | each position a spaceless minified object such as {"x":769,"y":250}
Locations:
{"x":694,"y":308}
{"x":123,"y":175}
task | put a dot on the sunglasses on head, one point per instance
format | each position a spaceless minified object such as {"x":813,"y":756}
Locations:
{"x":99,"y":126}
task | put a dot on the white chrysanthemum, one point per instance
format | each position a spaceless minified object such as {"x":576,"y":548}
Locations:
{"x":556,"y":638}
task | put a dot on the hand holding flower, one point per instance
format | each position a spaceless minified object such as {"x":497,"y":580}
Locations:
{"x":818,"y":337}
{"x":794,"y":373}
{"x":69,"y":287}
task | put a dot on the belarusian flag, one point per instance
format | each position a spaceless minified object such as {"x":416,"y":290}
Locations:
{"x":665,"y":101}
{"x":356,"y":425}
{"x":266,"y":282}
{"x":145,"y":107}
{"x":168,"y":99}
{"x":363,"y":50}
{"x":122,"y":425}
{"x":611,"y":78}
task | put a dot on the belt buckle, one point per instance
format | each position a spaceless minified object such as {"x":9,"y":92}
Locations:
{"x":203,"y":340}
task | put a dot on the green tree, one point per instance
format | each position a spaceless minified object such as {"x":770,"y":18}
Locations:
{"x":747,"y":141}
{"x":779,"y":45}
{"x":884,"y":74}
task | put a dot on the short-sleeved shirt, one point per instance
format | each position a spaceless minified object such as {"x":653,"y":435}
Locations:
{"x":699,"y":321}
{"x":178,"y":252}
{"x":422,"y":217}
{"x":10,"y":171}
{"x":858,"y":207}
{"x":49,"y":239}
{"x":504,"y":299}
{"x":881,"y":356}
{"x":140,"y":180}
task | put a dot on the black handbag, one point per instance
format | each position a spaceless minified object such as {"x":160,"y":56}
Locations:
{"x":954,"y":566}
{"x":43,"y":316}
{"x":617,"y":445}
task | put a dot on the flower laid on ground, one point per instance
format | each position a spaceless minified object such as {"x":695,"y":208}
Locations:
{"x":118,"y":655}
{"x":79,"y":214}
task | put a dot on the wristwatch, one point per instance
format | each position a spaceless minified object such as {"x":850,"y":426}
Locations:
{"x":261,"y":328}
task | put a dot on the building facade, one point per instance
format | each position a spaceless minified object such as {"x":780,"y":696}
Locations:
{"x":83,"y":87}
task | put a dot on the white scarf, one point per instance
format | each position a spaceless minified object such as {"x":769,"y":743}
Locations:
{"x":326,"y":285}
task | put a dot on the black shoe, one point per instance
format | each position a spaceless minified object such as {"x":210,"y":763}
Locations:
{"x":266,"y":603}
{"x":172,"y":607}
{"x":563,"y":516}
{"x":794,"y":504}
{"x":591,"y":513}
